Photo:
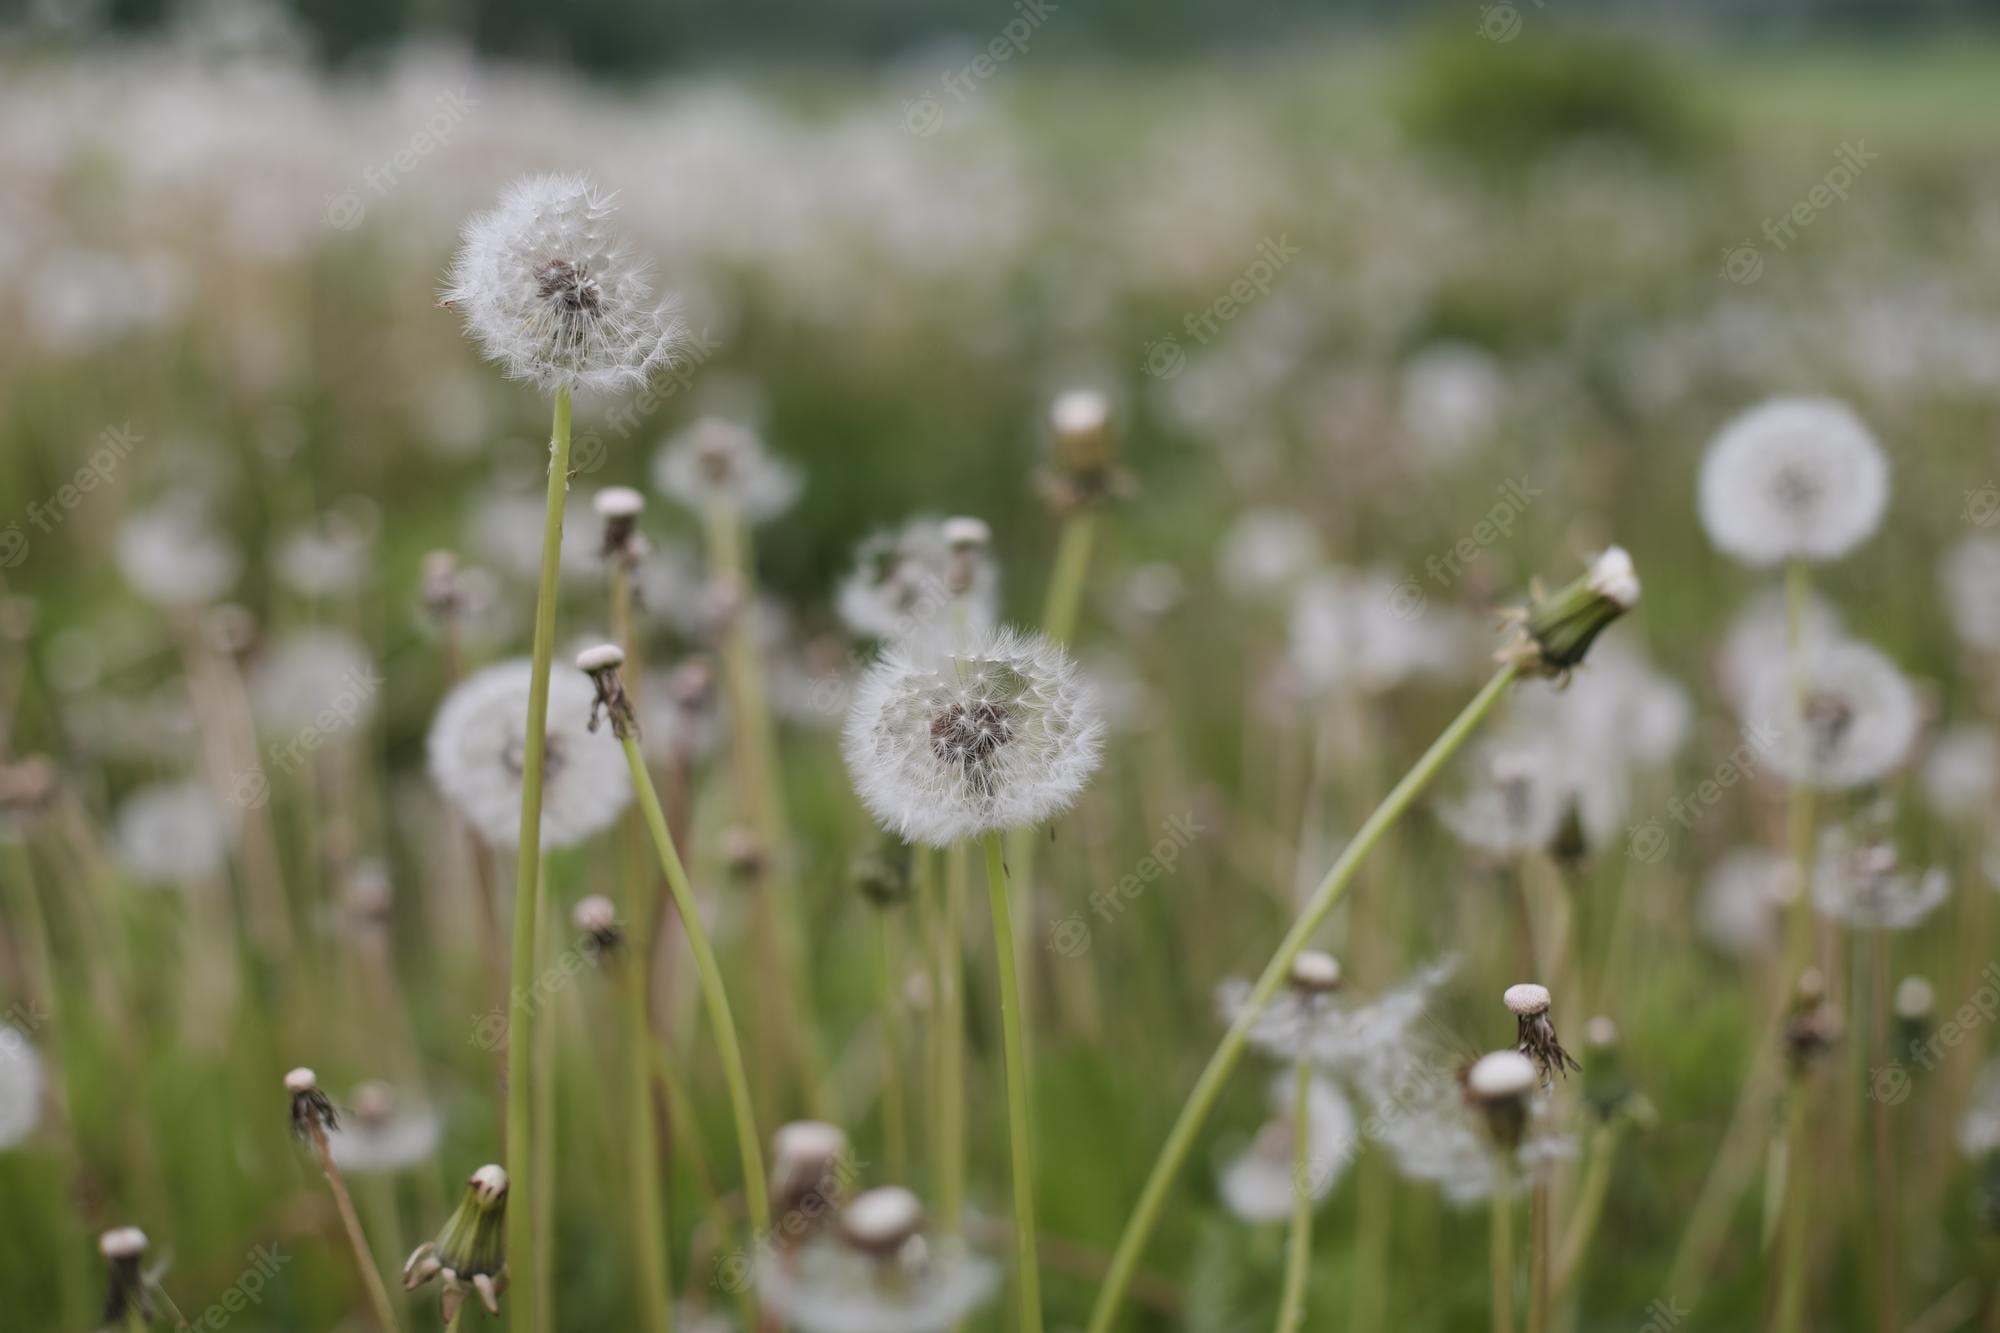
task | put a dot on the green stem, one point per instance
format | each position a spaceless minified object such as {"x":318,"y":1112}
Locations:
{"x":1792,"y":1262}
{"x":1020,"y":1089}
{"x":1079,"y":532}
{"x":951,"y":1046}
{"x":1538,"y":1258}
{"x":520,"y":1042}
{"x":1502,"y":1256}
{"x":1201,"y":1101}
{"x":1298,"y":1254}
{"x":1590,"y":1197}
{"x":350,"y":1222}
{"x":642,"y":1172}
{"x":715,"y":998}
{"x":895,"y":1114}
{"x":544,"y":1127}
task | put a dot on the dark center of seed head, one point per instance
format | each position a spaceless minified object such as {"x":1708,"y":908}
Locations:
{"x":967,"y":734}
{"x":570,"y":288}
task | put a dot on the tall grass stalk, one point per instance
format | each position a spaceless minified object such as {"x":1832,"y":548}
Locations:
{"x":1020,"y":1089}
{"x":1201,"y":1101}
{"x":350,"y":1222}
{"x":1500,"y":1252}
{"x":1298,"y":1250}
{"x":521,"y":1020}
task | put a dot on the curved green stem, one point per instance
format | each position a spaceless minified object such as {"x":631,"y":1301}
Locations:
{"x":1201,"y":1101}
{"x":715,"y":998}
{"x":520,"y":1043}
{"x":1298,"y":1253}
{"x":1020,"y":1089}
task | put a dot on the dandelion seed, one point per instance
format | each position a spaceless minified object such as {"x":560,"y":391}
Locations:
{"x":1793,"y":479}
{"x":880,"y":1274}
{"x":945,"y":745}
{"x":553,"y":298}
{"x":719,"y":466}
{"x":1261,"y":1183}
{"x":1857,"y":721}
{"x":477,"y":747}
{"x":470,"y":1253}
{"x":1863,"y":884}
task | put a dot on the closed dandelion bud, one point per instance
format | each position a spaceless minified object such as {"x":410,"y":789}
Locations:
{"x":601,"y":664}
{"x":1498,"y":1086}
{"x":597,"y":917}
{"x":807,"y":1161}
{"x":882,"y":873}
{"x":1557,"y":629}
{"x":1529,"y":1003}
{"x":1085,"y":470}
{"x":124,"y":1251}
{"x":470,"y":1254}
{"x":312,"y":1110}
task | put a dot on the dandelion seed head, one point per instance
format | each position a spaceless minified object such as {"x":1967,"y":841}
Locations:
{"x":1526,"y":998}
{"x":1266,"y":552}
{"x":551,"y":295}
{"x":951,"y":743}
{"x":1742,"y":900}
{"x":1970,"y":573}
{"x":1915,"y":998}
{"x":618,"y":502}
{"x":21,"y":1087}
{"x":477,"y":751}
{"x":1513,"y":800}
{"x":1864,"y":885}
{"x":1857,"y":721}
{"x":325,"y":559}
{"x":1793,"y":478}
{"x":716,"y":464}
{"x":1962,"y":773}
{"x":924,"y":580}
{"x":383,"y":1133}
{"x":312,"y":676}
{"x":173,"y":833}
{"x":122,"y":1243}
{"x":174,"y":554}
{"x":1500,"y":1075}
{"x":1261,"y":1183}
{"x":915,"y":1284}
{"x":1350,"y":629}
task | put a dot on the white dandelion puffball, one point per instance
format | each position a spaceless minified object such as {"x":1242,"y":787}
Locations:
{"x":477,"y":748}
{"x":1794,"y":478}
{"x":717,"y":465}
{"x":1971,"y":577}
{"x":379,"y":1133}
{"x":945,"y":744}
{"x":828,"y":1287}
{"x":1865,"y":885}
{"x":173,"y":833}
{"x":20,"y":1087}
{"x":913,"y":583}
{"x":1261,"y":1183}
{"x":1354,"y":630}
{"x":1859,"y":720}
{"x":174,"y":555}
{"x":553,"y":298}
{"x":1962,"y":773}
{"x":1266,"y":552}
{"x":1743,"y":901}
{"x":321,"y":679}
{"x":1760,"y":634}
{"x":1513,"y":800}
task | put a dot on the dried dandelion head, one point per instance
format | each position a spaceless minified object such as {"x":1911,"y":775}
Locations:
{"x":1529,"y":1003}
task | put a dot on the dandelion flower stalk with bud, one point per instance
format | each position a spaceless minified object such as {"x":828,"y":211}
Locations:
{"x":1553,"y":635}
{"x":553,"y":298}
{"x":312,"y":1116}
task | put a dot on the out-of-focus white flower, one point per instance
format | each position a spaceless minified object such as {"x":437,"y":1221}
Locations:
{"x":478,"y":748}
{"x":175,"y":555}
{"x":1864,"y":884}
{"x":1266,"y":552}
{"x":1618,"y":702}
{"x":1743,"y":900}
{"x":1326,"y":1027}
{"x":551,"y":296}
{"x":1859,"y":717}
{"x":1358,"y":630}
{"x":173,"y":833}
{"x":381,"y":1133}
{"x":21,"y":1081}
{"x":1452,"y":396}
{"x":1793,"y":479}
{"x":1514,"y":798}
{"x":1962,"y":774}
{"x":1759,"y":636}
{"x":915,"y":582}
{"x":880,"y":1275}
{"x":313,"y":678}
{"x":1418,"y":1112}
{"x":950,"y":743}
{"x":1979,"y":1127}
{"x":500,"y":517}
{"x":717,"y":465}
{"x":1261,"y":1183}
{"x":326,"y":559}
{"x":1971,"y":577}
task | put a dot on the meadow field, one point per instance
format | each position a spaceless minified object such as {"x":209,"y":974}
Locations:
{"x":1295,"y":396}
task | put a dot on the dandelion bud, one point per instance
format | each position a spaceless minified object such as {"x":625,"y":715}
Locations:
{"x":806,"y":1160}
{"x":312,"y":1110}
{"x":1315,"y":973}
{"x":471,"y":1251}
{"x":601,"y":664}
{"x":597,"y":917}
{"x":882,"y":1221}
{"x":1556,"y":630}
{"x":1498,"y":1085}
{"x":124,"y":1250}
{"x":1529,"y":1003}
{"x":1085,"y":471}
{"x":620,"y":507}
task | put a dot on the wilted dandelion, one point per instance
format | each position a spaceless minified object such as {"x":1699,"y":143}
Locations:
{"x":1864,"y":885}
{"x":717,"y":465}
{"x":132,"y":1294}
{"x":1848,"y":718}
{"x":470,"y":1253}
{"x":1793,"y":479}
{"x":1262,"y":1183}
{"x":553,"y":297}
{"x":1529,"y":1003}
{"x":882,"y":1274}
{"x":476,"y":751}
{"x":313,"y":1119}
{"x":946,"y":744}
